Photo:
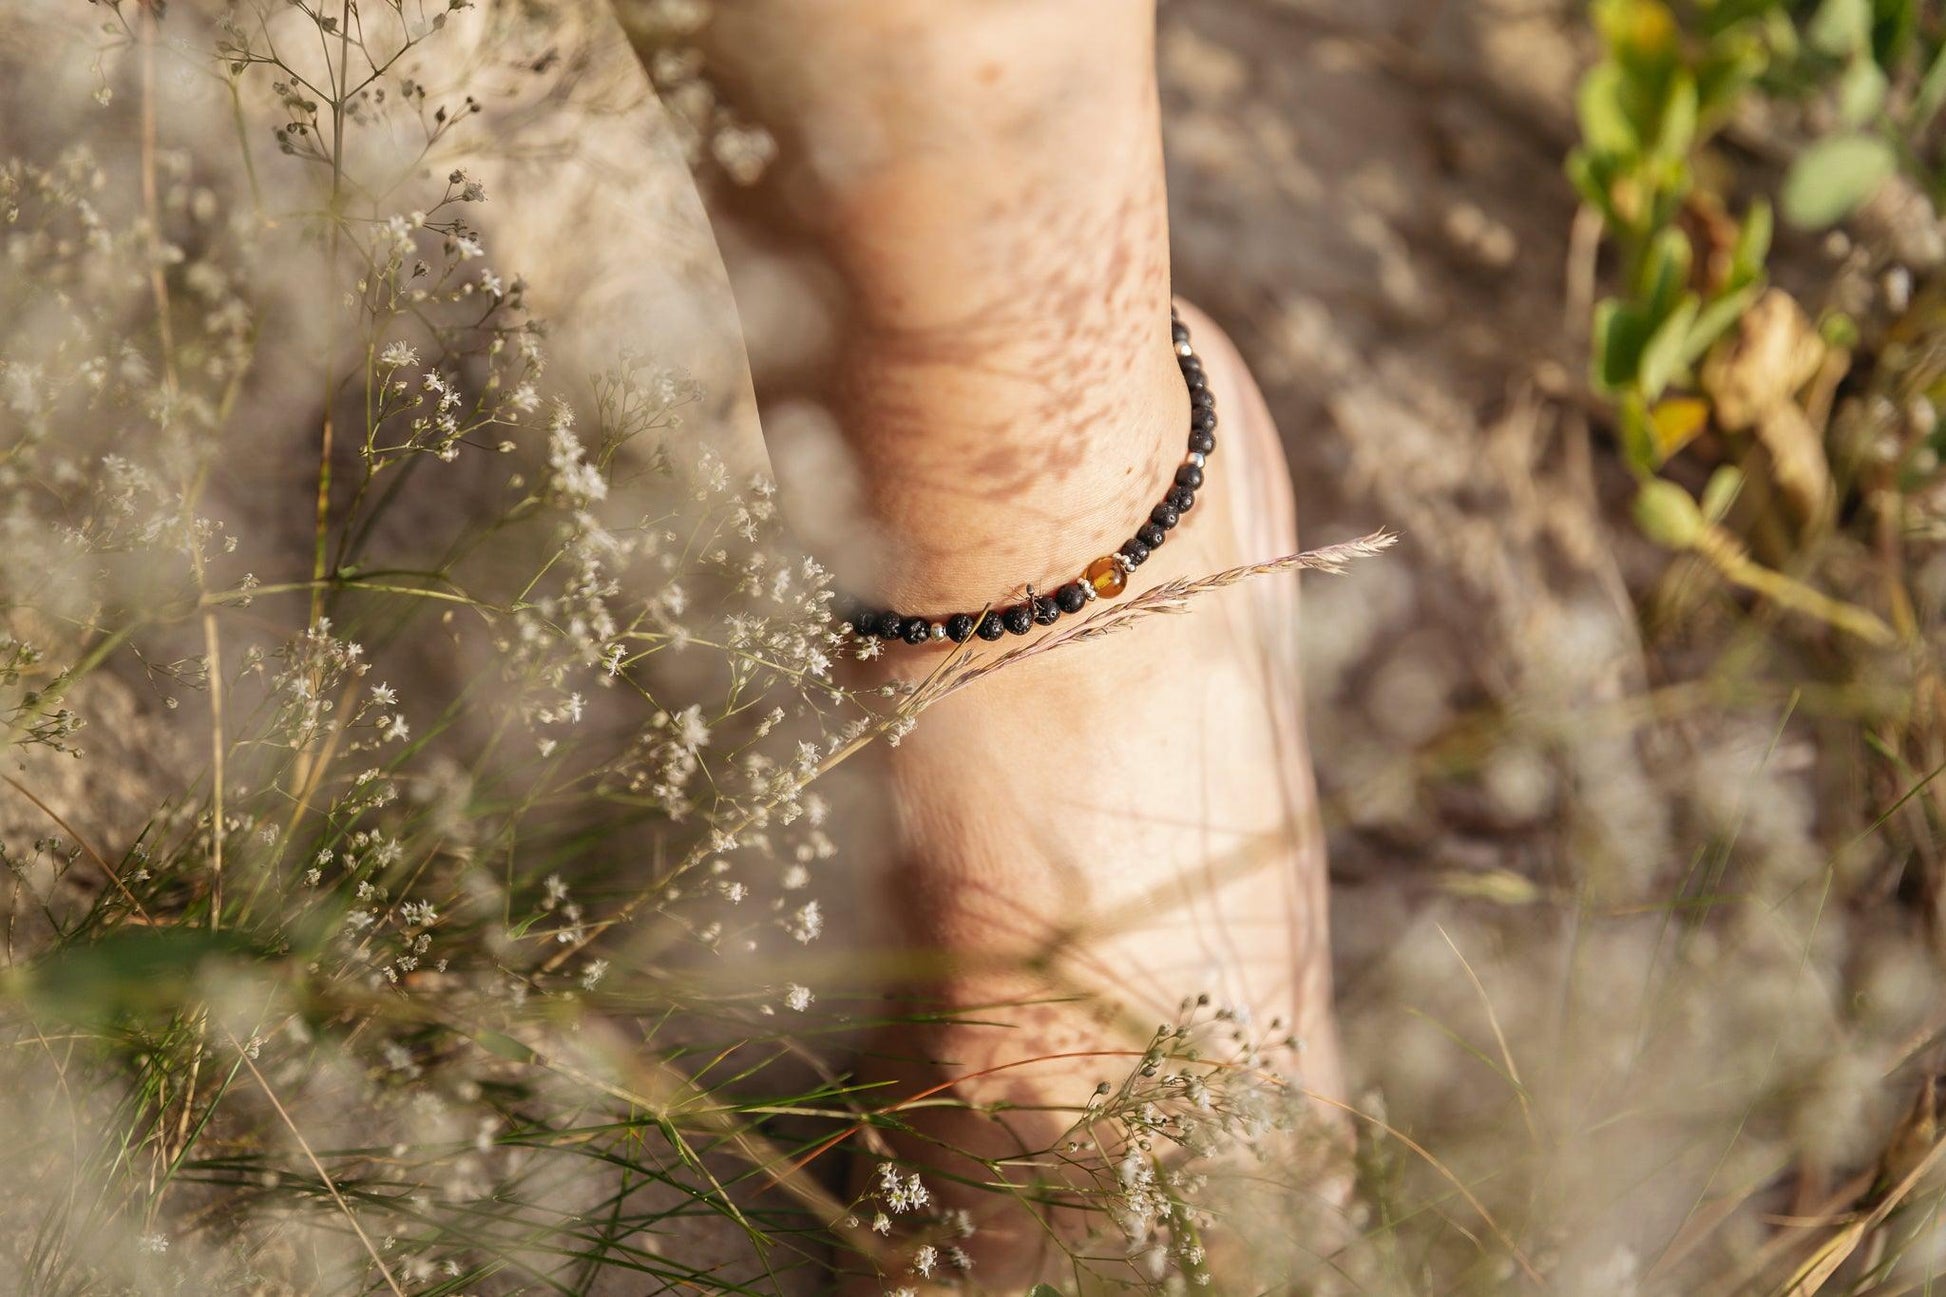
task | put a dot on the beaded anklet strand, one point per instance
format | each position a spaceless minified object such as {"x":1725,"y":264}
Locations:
{"x":1104,"y":578}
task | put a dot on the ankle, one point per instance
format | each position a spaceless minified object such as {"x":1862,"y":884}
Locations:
{"x":984,"y":474}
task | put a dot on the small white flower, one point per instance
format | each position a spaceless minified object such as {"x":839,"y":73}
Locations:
{"x":925,"y":1261}
{"x":798,"y":997}
{"x":807,"y":923}
{"x":691,"y":732}
{"x":398,"y":355}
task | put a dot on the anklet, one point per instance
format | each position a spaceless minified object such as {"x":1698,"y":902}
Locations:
{"x":1104,"y":578}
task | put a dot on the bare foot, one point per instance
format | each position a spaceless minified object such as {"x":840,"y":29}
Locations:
{"x":1130,"y":821}
{"x":1124,"y":822}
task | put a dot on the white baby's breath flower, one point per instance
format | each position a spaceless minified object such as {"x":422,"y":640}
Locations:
{"x":806,"y":923}
{"x":691,"y":731}
{"x":798,"y":997}
{"x":398,"y":355}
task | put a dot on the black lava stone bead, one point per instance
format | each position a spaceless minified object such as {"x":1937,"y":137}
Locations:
{"x":1196,"y":382}
{"x":1135,"y":552}
{"x":889,"y":625}
{"x":1151,"y":535}
{"x":1190,"y":476}
{"x":917,"y":630}
{"x":1018,"y":619}
{"x":1046,"y":611}
{"x":1071,"y":597}
{"x":1202,"y":440}
{"x":1181,"y":499}
{"x":958,"y":627}
{"x":1202,"y":418}
{"x":990,"y":627}
{"x":1164,"y":515}
{"x":1202,"y":398}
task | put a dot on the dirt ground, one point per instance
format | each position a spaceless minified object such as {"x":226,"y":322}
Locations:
{"x":1371,"y":198}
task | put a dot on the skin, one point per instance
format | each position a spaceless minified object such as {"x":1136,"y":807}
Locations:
{"x":975,"y":188}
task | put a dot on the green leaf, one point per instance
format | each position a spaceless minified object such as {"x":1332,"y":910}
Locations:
{"x":1637,"y":429}
{"x":134,"y":972}
{"x":1753,"y":246}
{"x":1861,"y":92}
{"x":1731,"y":62}
{"x":1620,"y":331}
{"x":1839,"y":330}
{"x":1662,"y":355}
{"x":1932,"y":93}
{"x":1833,"y":177}
{"x":1667,"y":515}
{"x":1601,"y":103}
{"x":1841,"y":28}
{"x":1721,"y":491}
{"x":503,"y":1046}
{"x":1665,"y":273}
{"x":1715,"y":319}
{"x":1676,"y":131}
{"x":1590,"y":177}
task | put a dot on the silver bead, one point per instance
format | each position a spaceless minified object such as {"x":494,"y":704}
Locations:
{"x":937,"y":631}
{"x":1088,"y":590}
{"x":1197,"y":458}
{"x":1184,"y":349}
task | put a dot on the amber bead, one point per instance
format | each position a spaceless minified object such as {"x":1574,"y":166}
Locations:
{"x":1107,"y":577}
